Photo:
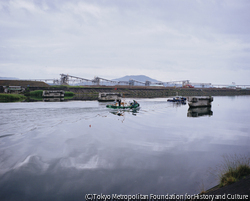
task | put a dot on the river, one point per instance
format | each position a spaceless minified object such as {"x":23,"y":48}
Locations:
{"x":65,"y":150}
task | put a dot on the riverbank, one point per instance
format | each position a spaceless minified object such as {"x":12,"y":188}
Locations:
{"x":234,"y":191}
{"x":234,"y":179}
{"x":23,"y":83}
{"x":11,"y":97}
{"x":92,"y":92}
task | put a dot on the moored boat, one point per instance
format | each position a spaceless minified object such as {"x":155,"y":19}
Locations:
{"x":178,"y":99}
{"x":53,"y":94}
{"x":200,"y":101}
{"x":123,"y":105}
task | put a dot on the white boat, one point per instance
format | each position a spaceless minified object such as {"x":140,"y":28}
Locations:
{"x":200,"y":101}
{"x":53,"y":94}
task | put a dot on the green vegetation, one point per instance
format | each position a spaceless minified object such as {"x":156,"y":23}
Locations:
{"x":76,"y":86}
{"x":68,"y":94}
{"x":233,"y":169}
{"x":37,"y":93}
{"x":11,"y":97}
{"x":34,"y":98}
{"x":59,"y":86}
{"x":66,"y":86}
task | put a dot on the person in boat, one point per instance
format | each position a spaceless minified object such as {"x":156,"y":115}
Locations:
{"x":134,"y":103}
{"x":119,"y":102}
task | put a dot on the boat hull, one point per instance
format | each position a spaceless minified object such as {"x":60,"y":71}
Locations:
{"x":123,"y":107}
{"x":178,"y":99}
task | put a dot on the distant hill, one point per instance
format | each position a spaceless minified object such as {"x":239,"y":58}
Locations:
{"x":141,"y":78}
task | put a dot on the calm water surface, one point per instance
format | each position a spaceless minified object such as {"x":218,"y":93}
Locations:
{"x":63,"y":150}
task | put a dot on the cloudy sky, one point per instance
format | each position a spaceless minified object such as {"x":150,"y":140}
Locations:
{"x":198,"y":40}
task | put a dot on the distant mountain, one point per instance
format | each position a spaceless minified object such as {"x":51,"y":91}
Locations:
{"x":9,"y":78}
{"x":141,"y":78}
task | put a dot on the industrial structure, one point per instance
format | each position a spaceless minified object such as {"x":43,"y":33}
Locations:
{"x":66,"y":79}
{"x":69,"y":79}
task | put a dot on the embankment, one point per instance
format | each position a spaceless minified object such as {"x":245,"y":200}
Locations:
{"x":91,"y":92}
{"x":11,"y":97}
{"x":23,"y":83}
{"x":237,"y":191}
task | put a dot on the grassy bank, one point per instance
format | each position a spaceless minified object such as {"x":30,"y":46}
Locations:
{"x":11,"y":97}
{"x":29,"y":96}
{"x":89,"y":92}
{"x":68,"y":94}
{"x":233,"y":169}
{"x":37,"y":93}
{"x":233,"y":175}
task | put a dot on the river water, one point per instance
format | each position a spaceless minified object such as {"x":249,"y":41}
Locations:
{"x":64,"y":150}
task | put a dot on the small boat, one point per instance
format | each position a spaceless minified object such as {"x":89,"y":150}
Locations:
{"x":200,"y":101}
{"x":123,"y":105}
{"x":178,"y":99}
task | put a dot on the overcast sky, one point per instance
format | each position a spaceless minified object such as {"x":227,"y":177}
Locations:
{"x":198,"y":40}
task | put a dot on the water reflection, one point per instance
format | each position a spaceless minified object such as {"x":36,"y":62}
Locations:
{"x":199,"y":111}
{"x":133,"y":111}
{"x":53,"y":99}
{"x":178,"y":104}
{"x":6,"y":135}
{"x":79,"y":147}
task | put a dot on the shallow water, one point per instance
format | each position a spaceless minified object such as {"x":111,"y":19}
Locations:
{"x":63,"y":150}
